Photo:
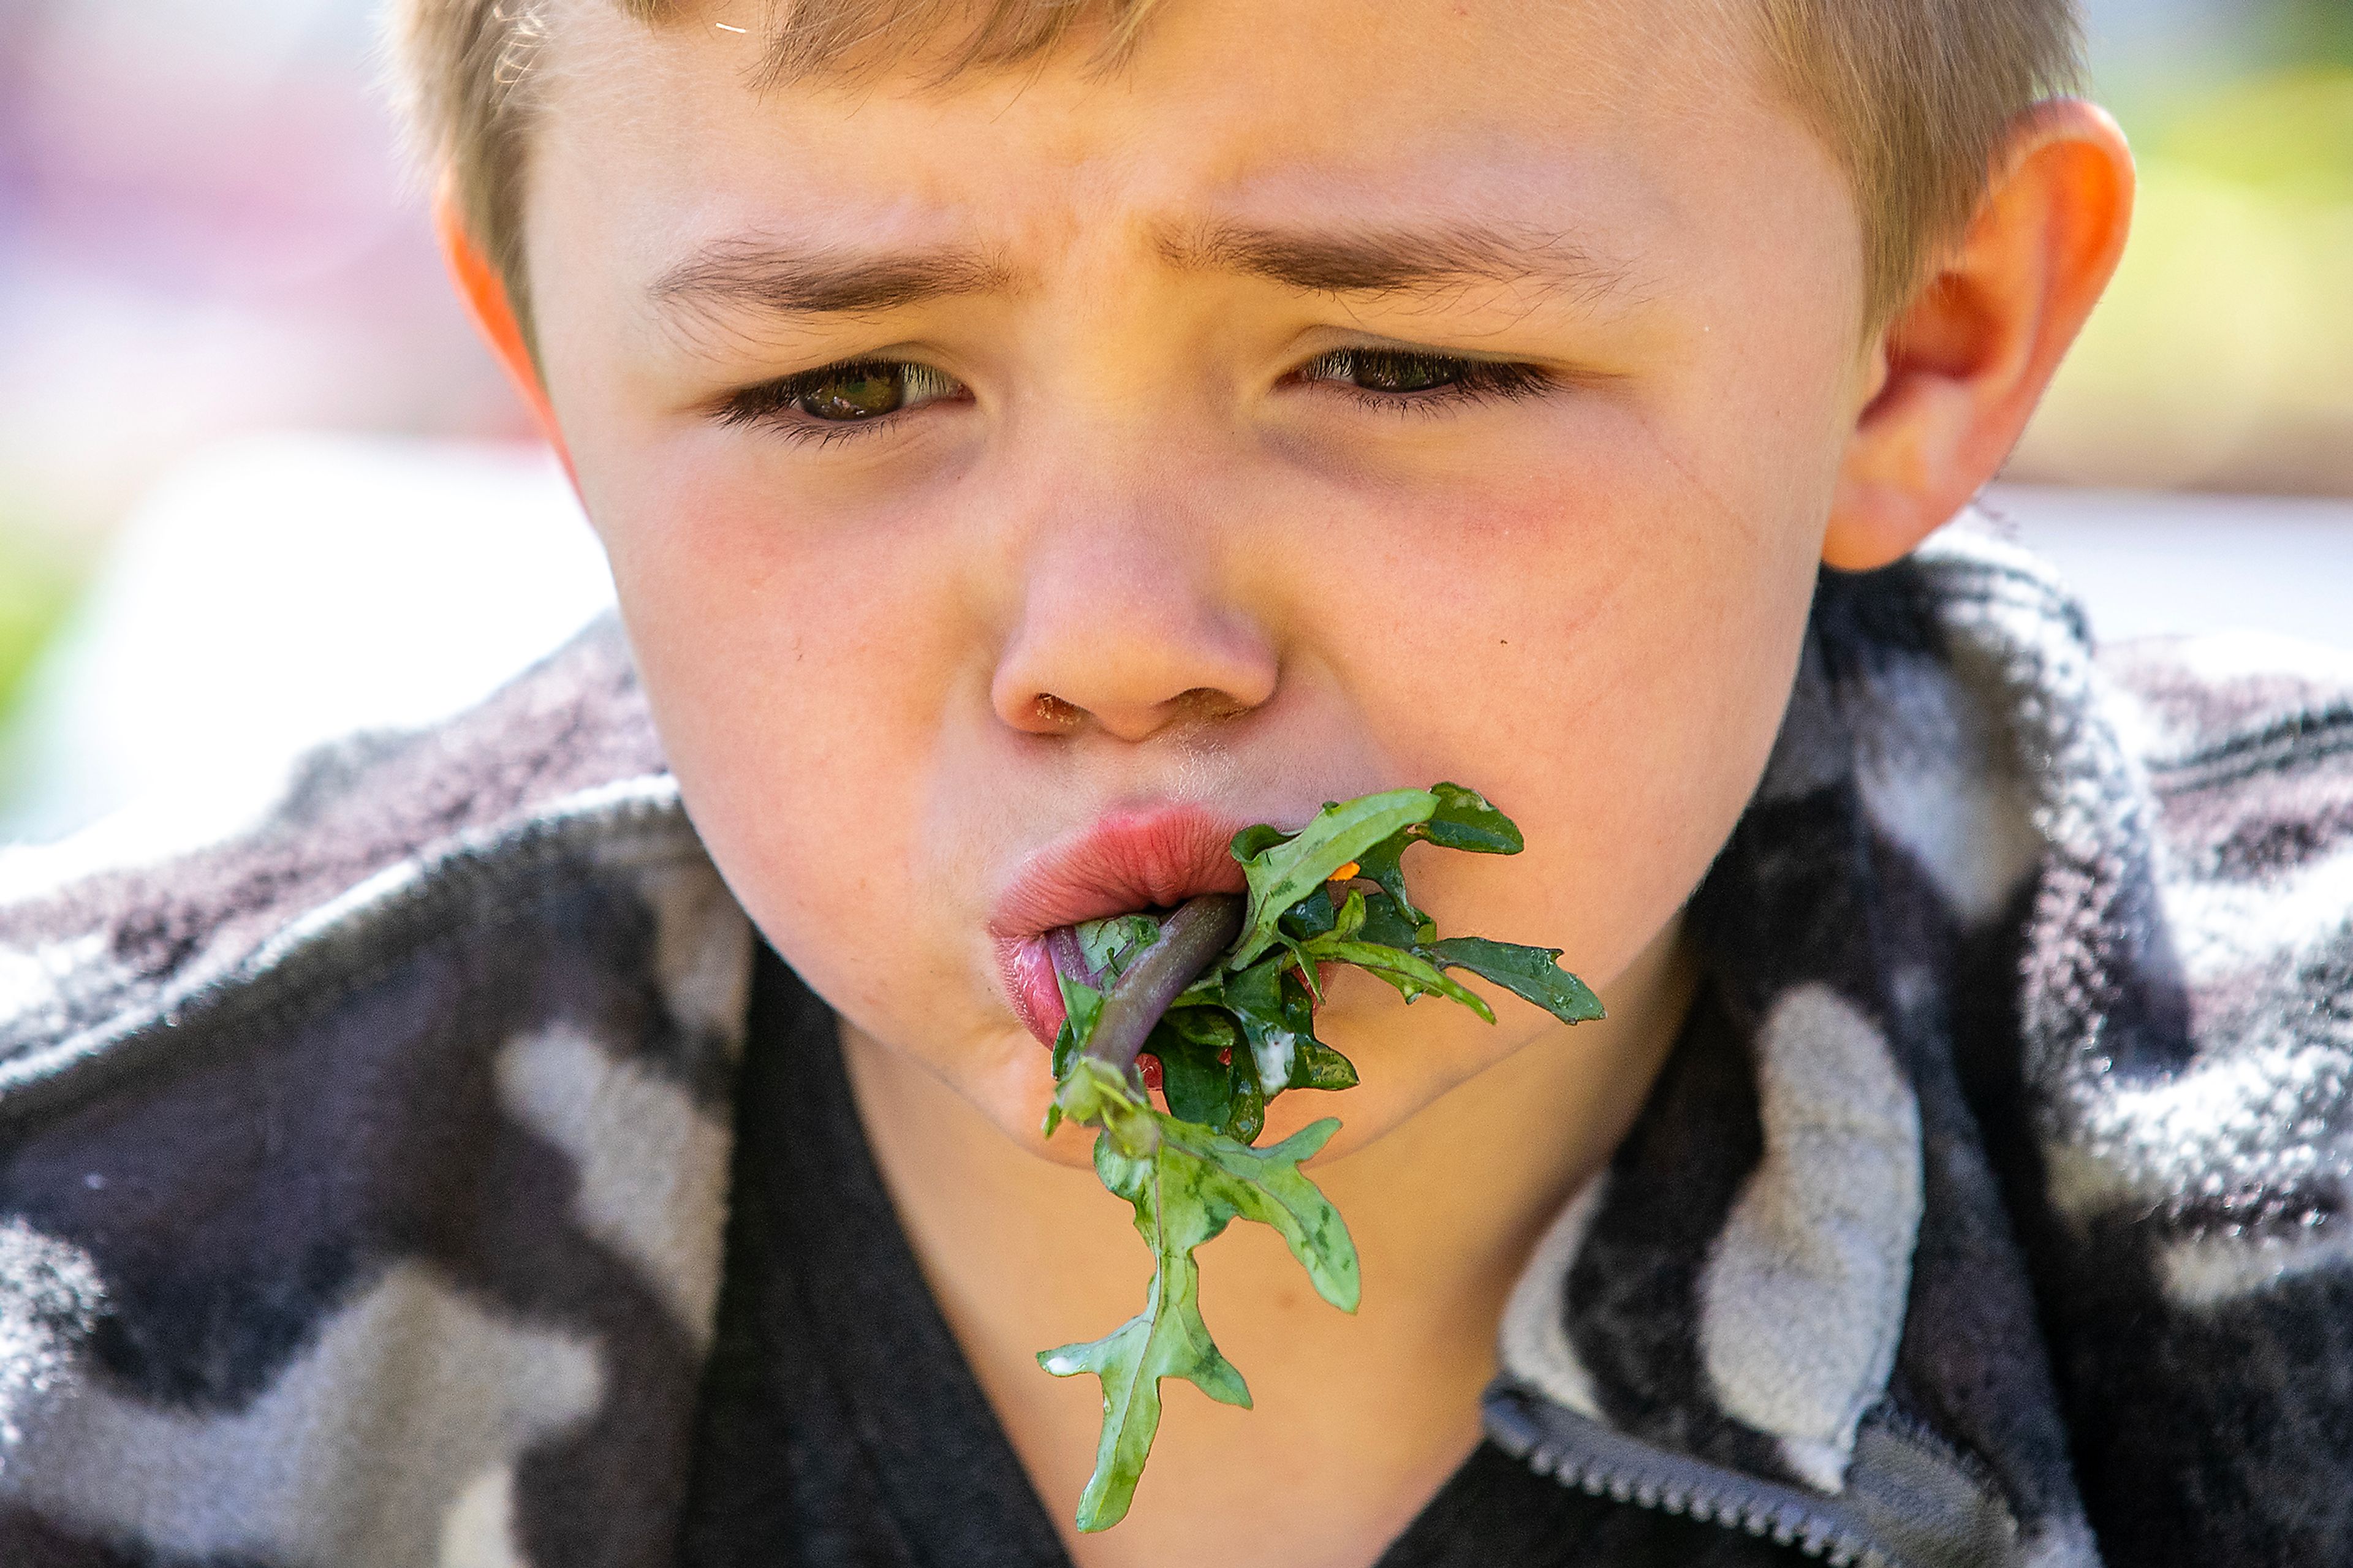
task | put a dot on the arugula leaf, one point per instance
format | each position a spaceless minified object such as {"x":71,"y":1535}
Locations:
{"x":1280,"y":874}
{"x":1311,"y":916}
{"x":1461,"y":819}
{"x":1223,"y":992}
{"x":1383,"y":864}
{"x":1206,"y":1072}
{"x":1267,"y":1185}
{"x":1386,"y":924}
{"x":1108,"y":944}
{"x":1320,"y":1067}
{"x":1465,"y":820}
{"x":1252,"y":841}
{"x":1082,"y":1006}
{"x":1255,"y":996}
{"x":1198,"y":1087}
{"x":1186,"y":1186}
{"x":1411,"y":975}
{"x":1532,"y":973}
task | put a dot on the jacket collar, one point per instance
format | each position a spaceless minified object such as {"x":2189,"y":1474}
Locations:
{"x":1793,"y":1301}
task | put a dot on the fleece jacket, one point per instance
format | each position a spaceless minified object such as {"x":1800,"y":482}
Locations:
{"x":363,"y":1173}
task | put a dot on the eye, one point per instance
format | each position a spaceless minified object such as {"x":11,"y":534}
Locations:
{"x":1387,"y":370}
{"x":854,"y":391}
{"x":827,"y":400}
{"x":1412,"y":377}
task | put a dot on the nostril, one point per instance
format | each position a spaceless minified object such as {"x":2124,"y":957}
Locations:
{"x":1209,"y":704}
{"x":1129,"y":656}
{"x":1198,"y":705}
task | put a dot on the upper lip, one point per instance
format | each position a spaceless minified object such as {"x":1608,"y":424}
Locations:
{"x":1131,"y":857}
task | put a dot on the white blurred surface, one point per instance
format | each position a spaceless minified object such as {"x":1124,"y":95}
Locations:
{"x":2150,"y":564}
{"x":278,"y":592}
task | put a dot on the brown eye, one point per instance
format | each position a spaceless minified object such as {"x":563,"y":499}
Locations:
{"x":1379,"y":371}
{"x":1391,"y":371}
{"x":1413,"y":379}
{"x":855,"y":392}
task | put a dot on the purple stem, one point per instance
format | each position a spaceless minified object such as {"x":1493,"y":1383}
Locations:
{"x":1069,"y":958}
{"x":1190,"y":940}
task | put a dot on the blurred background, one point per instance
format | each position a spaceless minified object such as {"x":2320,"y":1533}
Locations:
{"x":242,"y":421}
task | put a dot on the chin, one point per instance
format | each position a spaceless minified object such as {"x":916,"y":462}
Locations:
{"x":1363,"y":1117}
{"x":1014,"y":1100}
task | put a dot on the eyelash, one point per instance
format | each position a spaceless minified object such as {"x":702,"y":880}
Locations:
{"x":770,"y":404}
{"x":1469,"y":382}
{"x":1474,"y":381}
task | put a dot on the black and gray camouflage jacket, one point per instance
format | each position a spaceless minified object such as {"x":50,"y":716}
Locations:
{"x":362,"y":1174}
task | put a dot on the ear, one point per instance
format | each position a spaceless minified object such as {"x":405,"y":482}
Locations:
{"x":485,"y":292}
{"x":1962,"y":367}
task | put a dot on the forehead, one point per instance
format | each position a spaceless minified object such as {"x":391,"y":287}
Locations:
{"x":1525,"y":112}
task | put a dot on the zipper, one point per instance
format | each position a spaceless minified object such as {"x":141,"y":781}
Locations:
{"x":1920,"y":1508}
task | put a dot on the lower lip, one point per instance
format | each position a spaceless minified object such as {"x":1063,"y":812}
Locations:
{"x":1037,"y":994}
{"x":1038,"y":997}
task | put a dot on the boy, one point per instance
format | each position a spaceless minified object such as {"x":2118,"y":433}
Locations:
{"x":1033,"y":442}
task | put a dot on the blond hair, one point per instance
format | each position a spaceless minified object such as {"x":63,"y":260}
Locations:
{"x":1915,"y":98}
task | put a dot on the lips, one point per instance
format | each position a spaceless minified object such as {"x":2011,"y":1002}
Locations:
{"x":1130,"y":859}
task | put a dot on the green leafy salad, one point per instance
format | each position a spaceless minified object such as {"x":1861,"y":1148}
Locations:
{"x":1221,"y":995}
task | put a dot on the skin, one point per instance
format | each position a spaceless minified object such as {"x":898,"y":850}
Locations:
{"x":1147,"y":551}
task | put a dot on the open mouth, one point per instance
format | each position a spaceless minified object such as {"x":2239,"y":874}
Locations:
{"x":1131,"y":859}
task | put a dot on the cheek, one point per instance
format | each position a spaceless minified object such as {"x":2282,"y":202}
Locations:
{"x":1606,"y":651}
{"x":801,"y":671}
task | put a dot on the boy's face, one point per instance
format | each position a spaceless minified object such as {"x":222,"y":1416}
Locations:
{"x":1330,"y":399}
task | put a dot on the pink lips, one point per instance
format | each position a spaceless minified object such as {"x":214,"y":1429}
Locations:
{"x":1129,"y":859}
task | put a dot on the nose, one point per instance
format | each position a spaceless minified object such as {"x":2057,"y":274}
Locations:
{"x":1123,"y":628}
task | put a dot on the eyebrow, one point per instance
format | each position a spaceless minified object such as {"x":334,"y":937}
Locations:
{"x":778,"y":280}
{"x":774,"y":278}
{"x":1393,"y":260}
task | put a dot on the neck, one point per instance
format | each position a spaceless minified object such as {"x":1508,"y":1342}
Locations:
{"x":1367,"y":1415}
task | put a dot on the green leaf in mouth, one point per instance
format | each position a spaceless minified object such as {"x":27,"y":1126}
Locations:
{"x":1108,"y":944}
{"x":1532,"y":973}
{"x":1186,"y":1186}
{"x":1281,"y":872}
{"x":1206,"y":1072}
{"x":1232,"y":1030}
{"x":1465,"y":820}
{"x":1413,"y":975}
{"x":1459,"y":819}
